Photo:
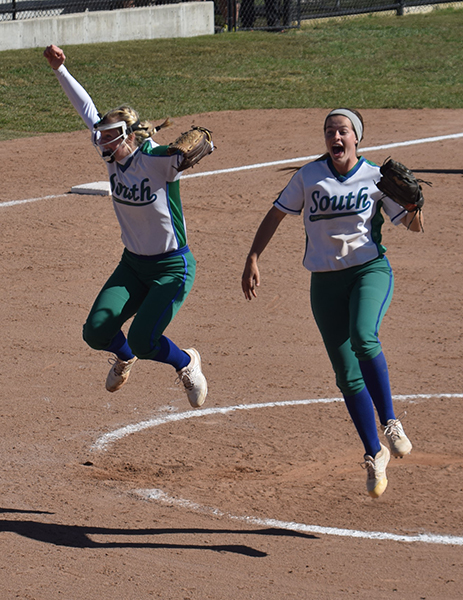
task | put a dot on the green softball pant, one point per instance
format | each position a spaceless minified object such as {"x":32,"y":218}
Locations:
{"x":348,"y":307}
{"x":151,"y":289}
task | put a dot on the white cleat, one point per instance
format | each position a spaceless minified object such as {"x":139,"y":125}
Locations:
{"x":119,"y":373}
{"x":399,"y":443}
{"x":193,"y":380}
{"x":376,"y":472}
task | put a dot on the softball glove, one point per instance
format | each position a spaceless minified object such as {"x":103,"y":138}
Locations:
{"x":398,"y":183}
{"x":193,"y":145}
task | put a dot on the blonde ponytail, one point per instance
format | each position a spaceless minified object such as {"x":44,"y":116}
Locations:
{"x":142,"y":129}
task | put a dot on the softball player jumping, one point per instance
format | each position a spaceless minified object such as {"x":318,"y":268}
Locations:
{"x":157,"y":269}
{"x":351,"y":281}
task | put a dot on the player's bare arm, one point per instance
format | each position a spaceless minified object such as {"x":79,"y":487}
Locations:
{"x":55,"y":56}
{"x":251,"y":277}
{"x":413,"y":221}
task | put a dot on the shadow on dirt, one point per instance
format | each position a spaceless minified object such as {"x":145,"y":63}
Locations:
{"x":75,"y":536}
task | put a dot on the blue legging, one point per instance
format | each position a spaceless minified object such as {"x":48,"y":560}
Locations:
{"x":152,"y":290}
{"x":348,"y":307}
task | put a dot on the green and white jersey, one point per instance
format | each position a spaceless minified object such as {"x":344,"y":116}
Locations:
{"x":146,"y":198}
{"x":144,"y":187}
{"x":342,"y":214}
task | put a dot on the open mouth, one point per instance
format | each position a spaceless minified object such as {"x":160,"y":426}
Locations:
{"x":337,"y":150}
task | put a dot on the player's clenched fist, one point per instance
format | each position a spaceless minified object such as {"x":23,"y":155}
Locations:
{"x":55,"y":56}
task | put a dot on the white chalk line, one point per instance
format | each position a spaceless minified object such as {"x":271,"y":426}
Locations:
{"x":103,"y":441}
{"x":427,"y":538}
{"x":16,"y":202}
{"x":314,"y":156}
{"x":160,"y":496}
{"x":273,"y":163}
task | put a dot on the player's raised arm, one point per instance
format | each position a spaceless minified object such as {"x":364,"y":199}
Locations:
{"x":55,"y":56}
{"x":251,"y":277}
{"x":77,"y":95}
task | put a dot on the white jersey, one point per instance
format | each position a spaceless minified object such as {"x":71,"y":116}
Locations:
{"x":342,"y":214}
{"x":144,"y":187}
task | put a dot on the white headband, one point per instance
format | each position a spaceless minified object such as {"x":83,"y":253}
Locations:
{"x":356,"y":122}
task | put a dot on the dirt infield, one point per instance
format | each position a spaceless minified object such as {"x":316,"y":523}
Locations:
{"x":264,"y":502}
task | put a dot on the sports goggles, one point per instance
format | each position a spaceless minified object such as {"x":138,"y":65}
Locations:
{"x":101,"y":144}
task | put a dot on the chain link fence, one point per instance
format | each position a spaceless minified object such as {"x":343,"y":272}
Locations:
{"x":283,"y":14}
{"x":13,"y":10}
{"x":230,"y":15}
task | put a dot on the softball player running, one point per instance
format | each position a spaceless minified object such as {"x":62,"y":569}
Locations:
{"x":157,"y":269}
{"x":351,"y":281}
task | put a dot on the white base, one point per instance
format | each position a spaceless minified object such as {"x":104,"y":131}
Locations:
{"x":99,"y":188}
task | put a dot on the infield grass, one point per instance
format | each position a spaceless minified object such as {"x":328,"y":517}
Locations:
{"x":374,"y":61}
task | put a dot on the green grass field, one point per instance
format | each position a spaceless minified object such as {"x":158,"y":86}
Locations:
{"x":414,"y":61}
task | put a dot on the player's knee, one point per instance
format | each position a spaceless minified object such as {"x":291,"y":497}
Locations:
{"x":94,"y":337}
{"x":142,"y":346}
{"x":365,"y":346}
{"x":349,"y":386}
